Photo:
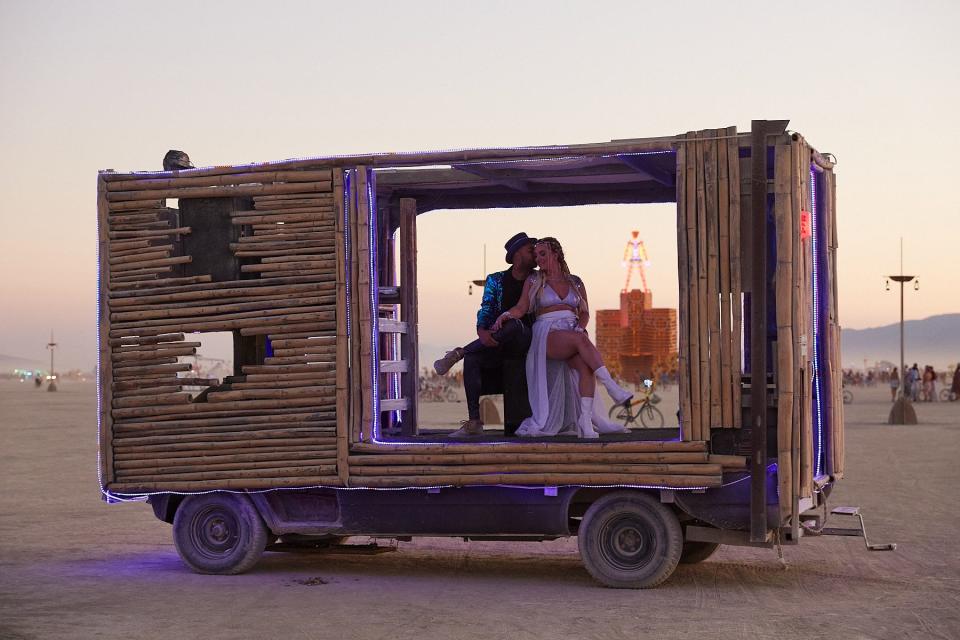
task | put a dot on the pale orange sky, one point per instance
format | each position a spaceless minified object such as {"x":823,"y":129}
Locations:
{"x":88,"y":86}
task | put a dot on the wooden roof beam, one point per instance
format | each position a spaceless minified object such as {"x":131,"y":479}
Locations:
{"x":516,"y":184}
{"x":665,"y":178}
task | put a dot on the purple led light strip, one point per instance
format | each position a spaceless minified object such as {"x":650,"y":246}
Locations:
{"x":817,"y":382}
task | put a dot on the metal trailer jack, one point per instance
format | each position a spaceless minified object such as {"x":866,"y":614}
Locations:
{"x":842,"y":531}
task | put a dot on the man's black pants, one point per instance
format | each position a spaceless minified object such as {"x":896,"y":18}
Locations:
{"x":505,"y":365}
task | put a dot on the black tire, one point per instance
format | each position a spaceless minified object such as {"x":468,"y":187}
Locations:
{"x":628,"y":540}
{"x":694,"y":552}
{"x":620,"y":413}
{"x":651,"y":417}
{"x":946,"y":395}
{"x":847,"y":397}
{"x":219,"y":533}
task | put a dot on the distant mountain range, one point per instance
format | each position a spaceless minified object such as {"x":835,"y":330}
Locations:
{"x":8,"y":363}
{"x":934,"y":341}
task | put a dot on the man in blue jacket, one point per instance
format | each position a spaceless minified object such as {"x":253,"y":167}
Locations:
{"x":494,"y":363}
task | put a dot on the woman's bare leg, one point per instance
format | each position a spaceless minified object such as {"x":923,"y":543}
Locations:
{"x":588,"y":384}
{"x":563,"y":345}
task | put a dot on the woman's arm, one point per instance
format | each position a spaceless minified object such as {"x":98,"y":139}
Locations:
{"x":584,"y":315}
{"x":518,"y":310}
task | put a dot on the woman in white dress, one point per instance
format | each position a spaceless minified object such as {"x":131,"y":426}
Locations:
{"x":563,"y":366}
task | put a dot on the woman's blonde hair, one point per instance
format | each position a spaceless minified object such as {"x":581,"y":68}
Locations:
{"x":574,"y":281}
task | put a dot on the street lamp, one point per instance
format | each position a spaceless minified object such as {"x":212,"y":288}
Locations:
{"x":902,"y":411}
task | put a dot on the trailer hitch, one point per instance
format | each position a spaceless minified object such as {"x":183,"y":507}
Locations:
{"x":861,"y":532}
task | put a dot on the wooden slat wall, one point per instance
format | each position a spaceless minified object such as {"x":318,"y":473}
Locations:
{"x":708,"y":240}
{"x":276,"y":427}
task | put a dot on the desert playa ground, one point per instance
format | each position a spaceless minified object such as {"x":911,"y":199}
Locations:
{"x":72,"y":566}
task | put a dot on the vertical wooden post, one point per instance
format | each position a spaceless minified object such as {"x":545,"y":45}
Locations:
{"x":105,"y":372}
{"x":410,"y":342}
{"x":354,"y":267}
{"x":713,"y":280}
{"x":726,"y":339}
{"x":799,"y":332}
{"x":806,"y":437}
{"x":758,"y":333}
{"x":785,"y":229}
{"x":736,"y":275}
{"x":683,"y":271}
{"x":365,"y":285}
{"x":703,"y":331}
{"x":694,"y":299}
{"x":343,"y":345}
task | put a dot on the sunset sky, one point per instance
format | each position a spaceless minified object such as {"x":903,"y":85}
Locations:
{"x":88,"y":86}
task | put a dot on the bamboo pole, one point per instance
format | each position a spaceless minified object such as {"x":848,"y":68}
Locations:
{"x":143,"y":235}
{"x":159,"y":282}
{"x":154,"y":184}
{"x":146,"y":401}
{"x":148,"y":391}
{"x":323,"y":217}
{"x":208,"y":292}
{"x":530,"y":447}
{"x":138,"y":205}
{"x":726,"y":380}
{"x":121,"y":366}
{"x":139,"y":251}
{"x":260,"y":433}
{"x":212,"y":463}
{"x":277,"y":205}
{"x":683,"y":273}
{"x":142,"y":353}
{"x":187,"y":311}
{"x":124,"y":268}
{"x":321,"y":393}
{"x":139,"y":256}
{"x":153,"y":340}
{"x":364,"y":285}
{"x":713,"y":276}
{"x":218,"y":192}
{"x":316,"y":312}
{"x":266,"y":323}
{"x":284,"y":197}
{"x":325,"y":211}
{"x":558,"y":479}
{"x":134,"y":488}
{"x":696,"y":384}
{"x":544,"y":468}
{"x":452,"y":458}
{"x":201,"y":408}
{"x":306,"y":327}
{"x":783,"y":215}
{"x":239,"y":474}
{"x":306,"y":265}
{"x":284,"y":419}
{"x":266,"y":253}
{"x":319,"y":380}
{"x":174,"y":468}
{"x":733,"y":168}
{"x":239,"y":287}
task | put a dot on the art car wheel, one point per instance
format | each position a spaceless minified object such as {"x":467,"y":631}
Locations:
{"x":628,"y":540}
{"x":219,"y":533}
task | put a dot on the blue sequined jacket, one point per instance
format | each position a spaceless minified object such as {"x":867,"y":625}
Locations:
{"x":492,"y":303}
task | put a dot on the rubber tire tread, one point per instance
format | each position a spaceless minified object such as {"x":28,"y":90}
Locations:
{"x":667,"y":536}
{"x":253,"y":534}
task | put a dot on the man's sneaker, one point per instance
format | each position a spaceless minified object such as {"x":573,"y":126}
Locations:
{"x":451,"y":358}
{"x":468,"y":429}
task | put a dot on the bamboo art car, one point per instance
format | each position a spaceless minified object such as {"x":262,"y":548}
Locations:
{"x":296,"y":260}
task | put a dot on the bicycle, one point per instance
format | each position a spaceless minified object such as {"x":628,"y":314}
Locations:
{"x":650,"y":416}
{"x":946,"y":395}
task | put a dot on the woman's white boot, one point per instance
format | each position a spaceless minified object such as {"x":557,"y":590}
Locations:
{"x":585,"y":422}
{"x":618,"y":393}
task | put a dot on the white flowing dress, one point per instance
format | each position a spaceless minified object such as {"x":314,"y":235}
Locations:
{"x":553,"y":387}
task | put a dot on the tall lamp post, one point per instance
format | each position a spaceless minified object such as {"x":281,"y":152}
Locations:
{"x":53,"y":376}
{"x":902,"y":411}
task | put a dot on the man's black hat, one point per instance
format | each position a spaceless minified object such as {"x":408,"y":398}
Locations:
{"x":517,"y":242}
